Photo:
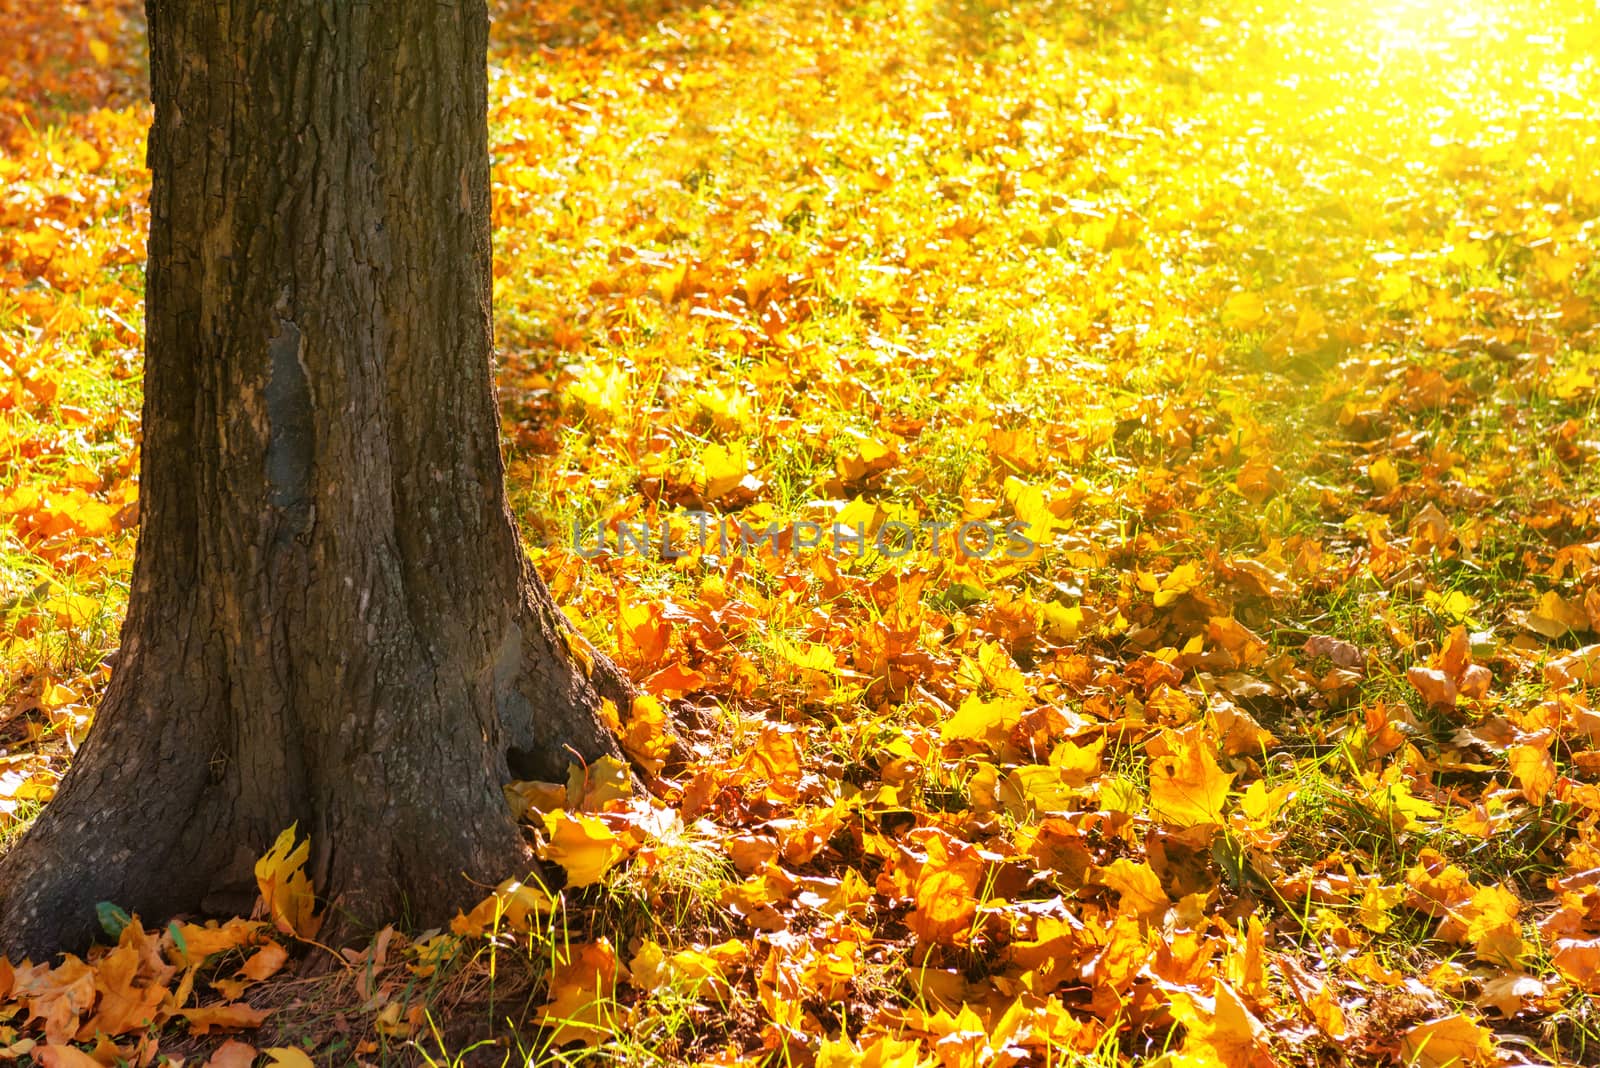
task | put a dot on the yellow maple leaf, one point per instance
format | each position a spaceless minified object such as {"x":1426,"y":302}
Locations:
{"x":723,"y":468}
{"x":582,"y":1006}
{"x":1186,"y":785}
{"x":1492,"y":925}
{"x":978,"y":720}
{"x":1139,"y":887}
{"x":1185,"y":578}
{"x":1450,"y":1042}
{"x":884,"y":1051}
{"x":1244,"y":311}
{"x":1554,"y":616}
{"x":591,"y":786}
{"x":286,"y":893}
{"x":1221,"y":1030}
{"x":583,"y":845}
{"x":1372,"y":912}
{"x":284,"y":1057}
{"x":1384,"y":474}
{"x":1454,"y":605}
{"x":513,"y":906}
{"x":1534,"y":769}
{"x":646,"y":738}
{"x":690,"y":972}
{"x":1034,"y":790}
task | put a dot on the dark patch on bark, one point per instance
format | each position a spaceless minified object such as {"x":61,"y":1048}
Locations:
{"x":292,"y":436}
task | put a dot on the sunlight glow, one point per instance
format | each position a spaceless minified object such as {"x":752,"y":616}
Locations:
{"x":1425,"y":25}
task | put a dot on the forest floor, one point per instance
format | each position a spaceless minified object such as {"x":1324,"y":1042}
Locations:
{"x":1275,"y":323}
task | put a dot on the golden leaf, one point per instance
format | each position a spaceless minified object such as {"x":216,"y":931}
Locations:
{"x":944,"y":895}
{"x":646,"y":738}
{"x":978,"y":720}
{"x":1534,"y":769}
{"x":583,"y":845}
{"x":1384,"y":475}
{"x":1221,"y":1030}
{"x":1555,"y":616}
{"x":1186,"y":785}
{"x":723,"y":469}
{"x":513,"y":906}
{"x":1451,"y":1042}
{"x":1244,"y":311}
{"x":582,"y":988}
{"x":189,"y":944}
{"x":286,"y":893}
{"x":1139,"y":887}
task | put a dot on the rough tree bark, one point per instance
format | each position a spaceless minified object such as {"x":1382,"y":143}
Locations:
{"x":332,"y":620}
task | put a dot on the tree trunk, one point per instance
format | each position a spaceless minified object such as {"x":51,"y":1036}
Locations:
{"x":332,"y":620}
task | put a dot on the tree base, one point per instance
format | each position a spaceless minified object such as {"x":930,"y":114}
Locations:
{"x":163,"y":813}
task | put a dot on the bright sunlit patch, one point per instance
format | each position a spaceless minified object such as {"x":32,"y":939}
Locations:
{"x":1428,"y":71}
{"x":1427,"y":25}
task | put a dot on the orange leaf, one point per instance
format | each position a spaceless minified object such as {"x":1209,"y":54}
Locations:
{"x":129,"y":999}
{"x":230,"y":1016}
{"x":1436,"y":688}
{"x":944,"y":895}
{"x":62,"y":1056}
{"x":200,"y":942}
{"x":675,"y":680}
{"x":265,"y":962}
{"x":57,"y":996}
{"x":232,"y":1054}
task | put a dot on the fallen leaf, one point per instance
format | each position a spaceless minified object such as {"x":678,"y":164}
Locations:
{"x":1510,"y":994}
{"x":1534,"y":769}
{"x":1581,"y":668}
{"x":945,"y":894}
{"x":1186,"y":785}
{"x":1450,"y":1041}
{"x":581,"y":1006}
{"x":583,"y":845}
{"x":231,"y":1016}
{"x":286,"y":892}
{"x":58,"y":1056}
{"x":233,"y":1054}
{"x":265,"y":962}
